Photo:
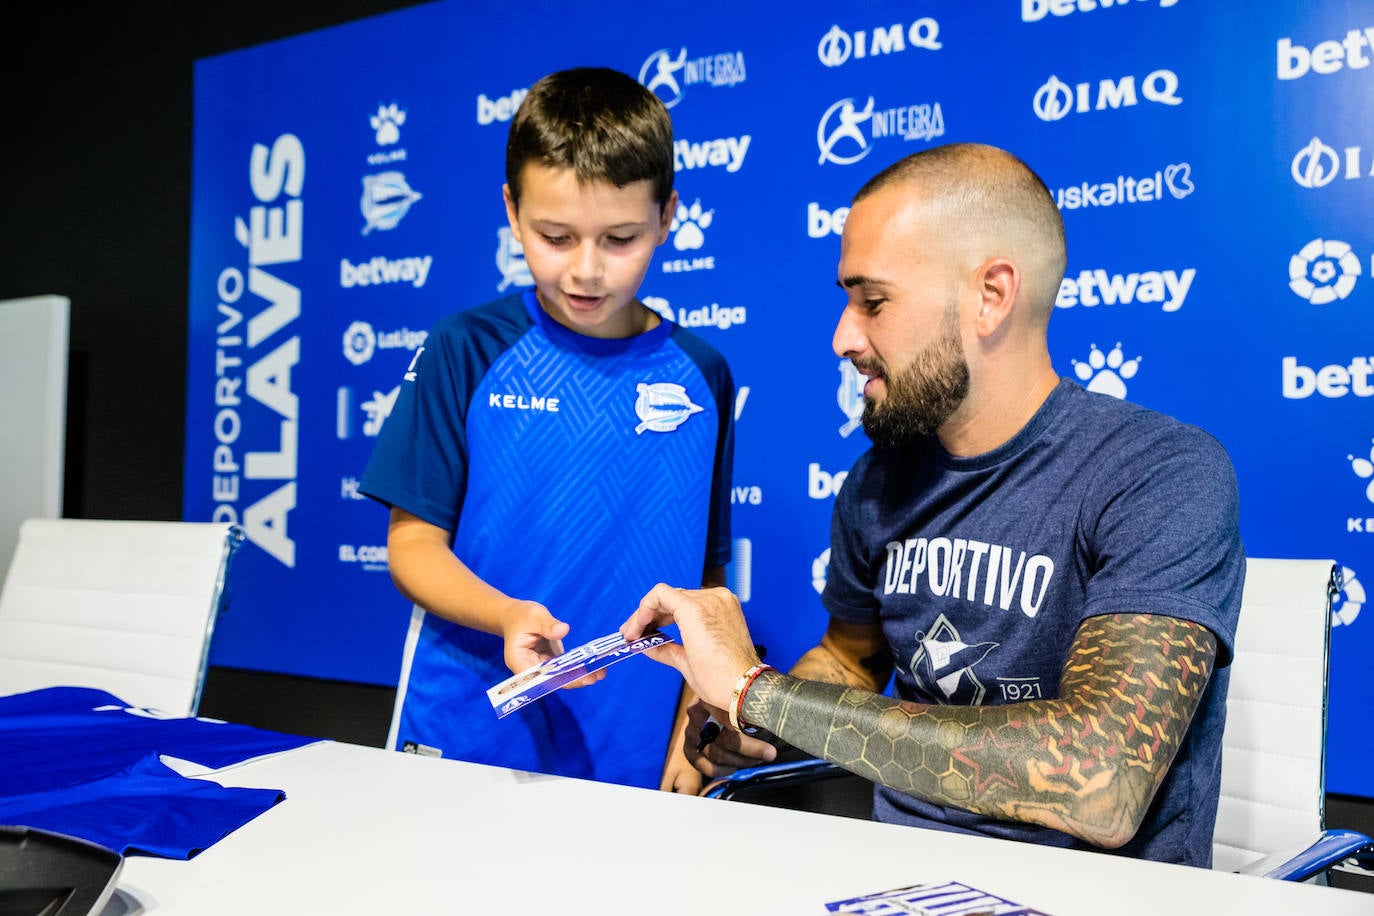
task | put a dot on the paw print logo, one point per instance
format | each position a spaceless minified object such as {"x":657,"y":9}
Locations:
{"x":688,"y":223}
{"x":1364,"y":469}
{"x":387,"y":123}
{"x":1106,"y":373}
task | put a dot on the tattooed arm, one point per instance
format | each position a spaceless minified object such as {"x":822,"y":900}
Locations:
{"x":851,"y":654}
{"x":1087,"y":763}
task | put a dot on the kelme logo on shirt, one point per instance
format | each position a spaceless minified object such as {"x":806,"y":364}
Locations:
{"x":662,"y":407}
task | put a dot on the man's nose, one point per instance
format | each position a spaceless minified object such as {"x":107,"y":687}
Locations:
{"x":848,"y":339}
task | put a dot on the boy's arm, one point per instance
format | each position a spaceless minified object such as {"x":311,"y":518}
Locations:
{"x":425,"y":570}
{"x":679,"y":775}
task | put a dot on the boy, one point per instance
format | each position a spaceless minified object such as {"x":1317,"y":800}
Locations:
{"x":557,"y":452}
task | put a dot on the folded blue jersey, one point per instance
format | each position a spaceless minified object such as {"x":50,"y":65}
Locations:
{"x":82,"y":762}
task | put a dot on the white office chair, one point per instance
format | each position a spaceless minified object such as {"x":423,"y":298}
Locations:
{"x":124,"y":606}
{"x":1270,"y":820}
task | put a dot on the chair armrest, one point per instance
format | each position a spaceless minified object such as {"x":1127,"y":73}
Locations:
{"x":1303,"y":860}
{"x":791,"y":772}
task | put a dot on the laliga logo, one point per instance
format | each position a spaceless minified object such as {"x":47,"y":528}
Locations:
{"x":387,"y":123}
{"x":1350,"y":601}
{"x":665,"y":75}
{"x":662,"y":407}
{"x":510,"y":260}
{"x":386,"y":200}
{"x":837,"y":44}
{"x":359,"y":342}
{"x":847,"y":129}
{"x":1054,"y":100}
{"x":1323,"y":271}
{"x":850,"y":397}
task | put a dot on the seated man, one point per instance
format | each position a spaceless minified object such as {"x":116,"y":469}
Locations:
{"x":1053,"y":575}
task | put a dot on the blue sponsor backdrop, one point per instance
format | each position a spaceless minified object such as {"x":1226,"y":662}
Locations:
{"x":1215,"y":170}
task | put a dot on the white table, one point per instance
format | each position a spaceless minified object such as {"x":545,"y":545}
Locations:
{"x":369,"y":831}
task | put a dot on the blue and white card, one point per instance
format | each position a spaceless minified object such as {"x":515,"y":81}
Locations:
{"x":532,"y":683}
{"x":947,"y":898}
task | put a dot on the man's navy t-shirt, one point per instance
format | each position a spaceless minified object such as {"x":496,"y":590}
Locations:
{"x":981,"y":569}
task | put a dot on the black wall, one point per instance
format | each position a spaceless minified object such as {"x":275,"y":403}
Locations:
{"x":96,"y":206}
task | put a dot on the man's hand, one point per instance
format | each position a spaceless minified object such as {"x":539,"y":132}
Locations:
{"x":729,"y":751}
{"x":534,"y":636}
{"x":715,"y":647}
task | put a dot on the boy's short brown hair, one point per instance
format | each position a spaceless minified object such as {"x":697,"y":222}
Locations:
{"x":598,"y":122}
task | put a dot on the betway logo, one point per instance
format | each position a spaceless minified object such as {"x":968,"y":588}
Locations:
{"x":500,"y":109}
{"x":1035,"y":10}
{"x":1097,"y":287}
{"x":1126,"y":189}
{"x":821,"y":222}
{"x":1297,"y":61}
{"x":727,"y":151}
{"x":1301,"y":381}
{"x":380,"y":270}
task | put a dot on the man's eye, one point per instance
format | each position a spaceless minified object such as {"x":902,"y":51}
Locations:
{"x":874,"y":304}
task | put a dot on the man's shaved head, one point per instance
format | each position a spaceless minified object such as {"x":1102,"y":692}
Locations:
{"x":987,"y":204}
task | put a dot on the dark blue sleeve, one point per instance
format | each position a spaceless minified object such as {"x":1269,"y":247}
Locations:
{"x":717,"y":374}
{"x":1164,"y":529}
{"x":421,"y":458}
{"x":849,"y":581}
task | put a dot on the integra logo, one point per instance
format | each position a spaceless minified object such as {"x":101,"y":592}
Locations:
{"x":660,"y":73}
{"x":842,"y":141}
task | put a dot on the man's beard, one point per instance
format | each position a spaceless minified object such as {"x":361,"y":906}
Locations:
{"x":921,"y":395}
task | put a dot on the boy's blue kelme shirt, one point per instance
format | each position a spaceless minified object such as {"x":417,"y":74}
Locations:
{"x":577,"y":472}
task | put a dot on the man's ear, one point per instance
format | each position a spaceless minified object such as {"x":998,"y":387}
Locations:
{"x":999,"y":283}
{"x":665,"y":219}
{"x":511,"y":215}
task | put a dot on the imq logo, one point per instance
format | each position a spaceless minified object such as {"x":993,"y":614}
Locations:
{"x":837,"y":46}
{"x":1056,"y":99}
{"x":1316,"y":165}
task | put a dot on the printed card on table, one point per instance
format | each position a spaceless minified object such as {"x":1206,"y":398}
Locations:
{"x":948,"y":898}
{"x":532,"y":683}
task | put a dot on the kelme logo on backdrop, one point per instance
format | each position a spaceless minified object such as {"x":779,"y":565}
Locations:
{"x":1106,"y":373}
{"x":842,"y":139}
{"x":386,"y":130}
{"x":1316,"y":165}
{"x":510,"y":260}
{"x":1056,"y":99}
{"x":1295,"y":60}
{"x":1323,"y":271}
{"x":1035,"y":10}
{"x":837,"y":46}
{"x":688,"y":233}
{"x":386,"y":200}
{"x":668,"y":77}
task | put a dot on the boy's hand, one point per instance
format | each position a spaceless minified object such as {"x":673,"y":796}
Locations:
{"x":534,"y":636}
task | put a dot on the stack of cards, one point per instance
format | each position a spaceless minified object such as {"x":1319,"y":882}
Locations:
{"x":950,"y":898}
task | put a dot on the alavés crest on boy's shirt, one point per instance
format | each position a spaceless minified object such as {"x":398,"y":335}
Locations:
{"x":662,"y":406}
